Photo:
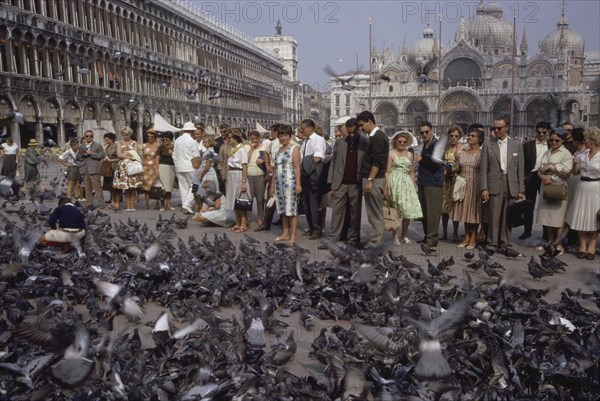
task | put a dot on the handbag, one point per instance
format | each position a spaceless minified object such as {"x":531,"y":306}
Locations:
{"x":243,"y":203}
{"x":106,"y":169}
{"x":156,"y":192}
{"x":134,"y":167}
{"x":390,"y":217}
{"x":459,"y":190}
{"x":556,"y":191}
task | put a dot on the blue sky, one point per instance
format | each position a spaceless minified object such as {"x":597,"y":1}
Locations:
{"x":336,"y":33}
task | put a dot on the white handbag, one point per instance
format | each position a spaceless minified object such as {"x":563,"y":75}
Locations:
{"x":459,"y":190}
{"x":134,"y":167}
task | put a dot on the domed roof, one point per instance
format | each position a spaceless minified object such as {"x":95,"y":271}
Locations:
{"x":423,"y":49}
{"x":487,"y":29}
{"x":563,"y":37}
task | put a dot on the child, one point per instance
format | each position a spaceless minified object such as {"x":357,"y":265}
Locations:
{"x":69,"y":159}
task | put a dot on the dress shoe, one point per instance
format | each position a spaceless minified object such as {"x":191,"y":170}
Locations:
{"x":306,"y":234}
{"x":187,"y":210}
{"x":432,"y":244}
{"x":322,"y":247}
{"x":590,"y":256}
{"x":260,"y":228}
{"x":315,"y":236}
{"x":524,"y":235}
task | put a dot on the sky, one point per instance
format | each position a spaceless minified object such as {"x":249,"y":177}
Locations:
{"x":336,"y":33}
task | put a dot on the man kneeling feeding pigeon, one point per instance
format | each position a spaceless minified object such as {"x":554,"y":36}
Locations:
{"x":71,"y":226}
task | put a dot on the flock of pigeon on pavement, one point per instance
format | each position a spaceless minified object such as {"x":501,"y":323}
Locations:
{"x":72,"y":328}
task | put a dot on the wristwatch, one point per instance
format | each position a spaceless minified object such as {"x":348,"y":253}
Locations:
{"x":370,"y":179}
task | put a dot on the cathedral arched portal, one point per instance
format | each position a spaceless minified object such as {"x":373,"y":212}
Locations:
{"x":415,"y":113}
{"x":459,"y":108}
{"x":386,"y":116}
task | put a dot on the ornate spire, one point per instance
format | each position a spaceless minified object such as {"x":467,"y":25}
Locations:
{"x":373,"y":49}
{"x":278,"y":27}
{"x":404,"y":50}
{"x":524,"y":47}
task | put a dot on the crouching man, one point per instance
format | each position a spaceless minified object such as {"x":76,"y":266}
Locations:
{"x":70,"y":229}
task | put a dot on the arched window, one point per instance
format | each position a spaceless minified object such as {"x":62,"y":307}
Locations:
{"x":391,"y":88}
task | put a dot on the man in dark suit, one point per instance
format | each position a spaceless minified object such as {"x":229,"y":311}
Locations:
{"x":345,"y":181}
{"x":430,"y":185}
{"x":313,"y":151}
{"x":502,"y":180}
{"x":372,"y":172}
{"x":532,"y":153}
{"x":90,"y":154}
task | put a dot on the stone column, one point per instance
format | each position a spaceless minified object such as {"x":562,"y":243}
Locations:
{"x":61,"y":133}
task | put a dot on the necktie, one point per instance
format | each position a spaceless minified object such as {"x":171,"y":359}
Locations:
{"x":502,"y":145}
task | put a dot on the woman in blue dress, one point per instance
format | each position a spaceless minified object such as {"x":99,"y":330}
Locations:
{"x":401,"y":191}
{"x":286,"y":183}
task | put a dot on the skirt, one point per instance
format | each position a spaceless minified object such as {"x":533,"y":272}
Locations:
{"x":73,"y":173}
{"x":234,"y":188}
{"x":166,"y":174}
{"x":583,"y":211}
{"x":9,"y":165}
{"x":550,"y":213}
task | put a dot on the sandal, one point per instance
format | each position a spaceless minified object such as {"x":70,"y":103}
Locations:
{"x":282,"y":239}
{"x":241,"y":230}
{"x":234,"y":228}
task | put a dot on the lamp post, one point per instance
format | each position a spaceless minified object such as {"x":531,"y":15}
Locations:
{"x":439,"y":78}
{"x":370,"y":68}
{"x":512,"y":96}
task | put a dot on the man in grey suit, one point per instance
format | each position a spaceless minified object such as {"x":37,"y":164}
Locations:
{"x":90,"y":154}
{"x":346,"y":183}
{"x":502,"y":180}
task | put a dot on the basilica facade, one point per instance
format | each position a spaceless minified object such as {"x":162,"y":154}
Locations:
{"x":472,"y":80}
{"x":67,"y":66}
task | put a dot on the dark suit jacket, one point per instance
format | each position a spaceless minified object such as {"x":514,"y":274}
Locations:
{"x":530,"y":155}
{"x":91,"y":163}
{"x":490,"y":167}
{"x":338,"y":160}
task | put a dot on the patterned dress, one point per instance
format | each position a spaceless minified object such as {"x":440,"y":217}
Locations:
{"x":469,"y":209}
{"x":150,"y":166}
{"x":401,"y":189}
{"x":285,"y":183}
{"x":121,"y":180}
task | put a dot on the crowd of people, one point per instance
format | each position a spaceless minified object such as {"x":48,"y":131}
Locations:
{"x":480,"y":180}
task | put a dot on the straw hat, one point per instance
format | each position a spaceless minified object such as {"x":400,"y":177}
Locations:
{"x":32,"y":142}
{"x":412,"y":142}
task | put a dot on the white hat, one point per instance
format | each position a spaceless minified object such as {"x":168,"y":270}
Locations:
{"x":189,"y":126}
{"x":342,"y":121}
{"x":412,"y":141}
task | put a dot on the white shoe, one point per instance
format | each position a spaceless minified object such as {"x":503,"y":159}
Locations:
{"x":405,"y":240}
{"x":187,"y":210}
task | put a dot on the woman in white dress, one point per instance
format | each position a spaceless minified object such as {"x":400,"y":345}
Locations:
{"x":554,"y":169}
{"x":583,"y":214}
{"x":237,"y":172}
{"x":9,"y":161}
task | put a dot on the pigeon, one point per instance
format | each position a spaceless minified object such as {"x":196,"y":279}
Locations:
{"x":344,"y":82}
{"x":509,"y":252}
{"x":116,"y":303}
{"x":74,"y":368}
{"x":55,"y":327}
{"x":385,"y":78}
{"x":432,"y":363}
{"x":215,"y":95}
{"x":427,"y":250}
{"x":18,"y":117}
{"x":536,"y":270}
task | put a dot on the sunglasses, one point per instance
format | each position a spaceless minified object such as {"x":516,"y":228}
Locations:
{"x":453,"y":136}
{"x":424,"y":132}
{"x":555,"y":140}
{"x":498,"y":128}
{"x":401,"y":142}
{"x":473,"y":135}
{"x":88,"y":136}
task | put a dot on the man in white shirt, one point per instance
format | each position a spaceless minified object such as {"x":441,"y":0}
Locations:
{"x":312,"y":152}
{"x":184,"y":150}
